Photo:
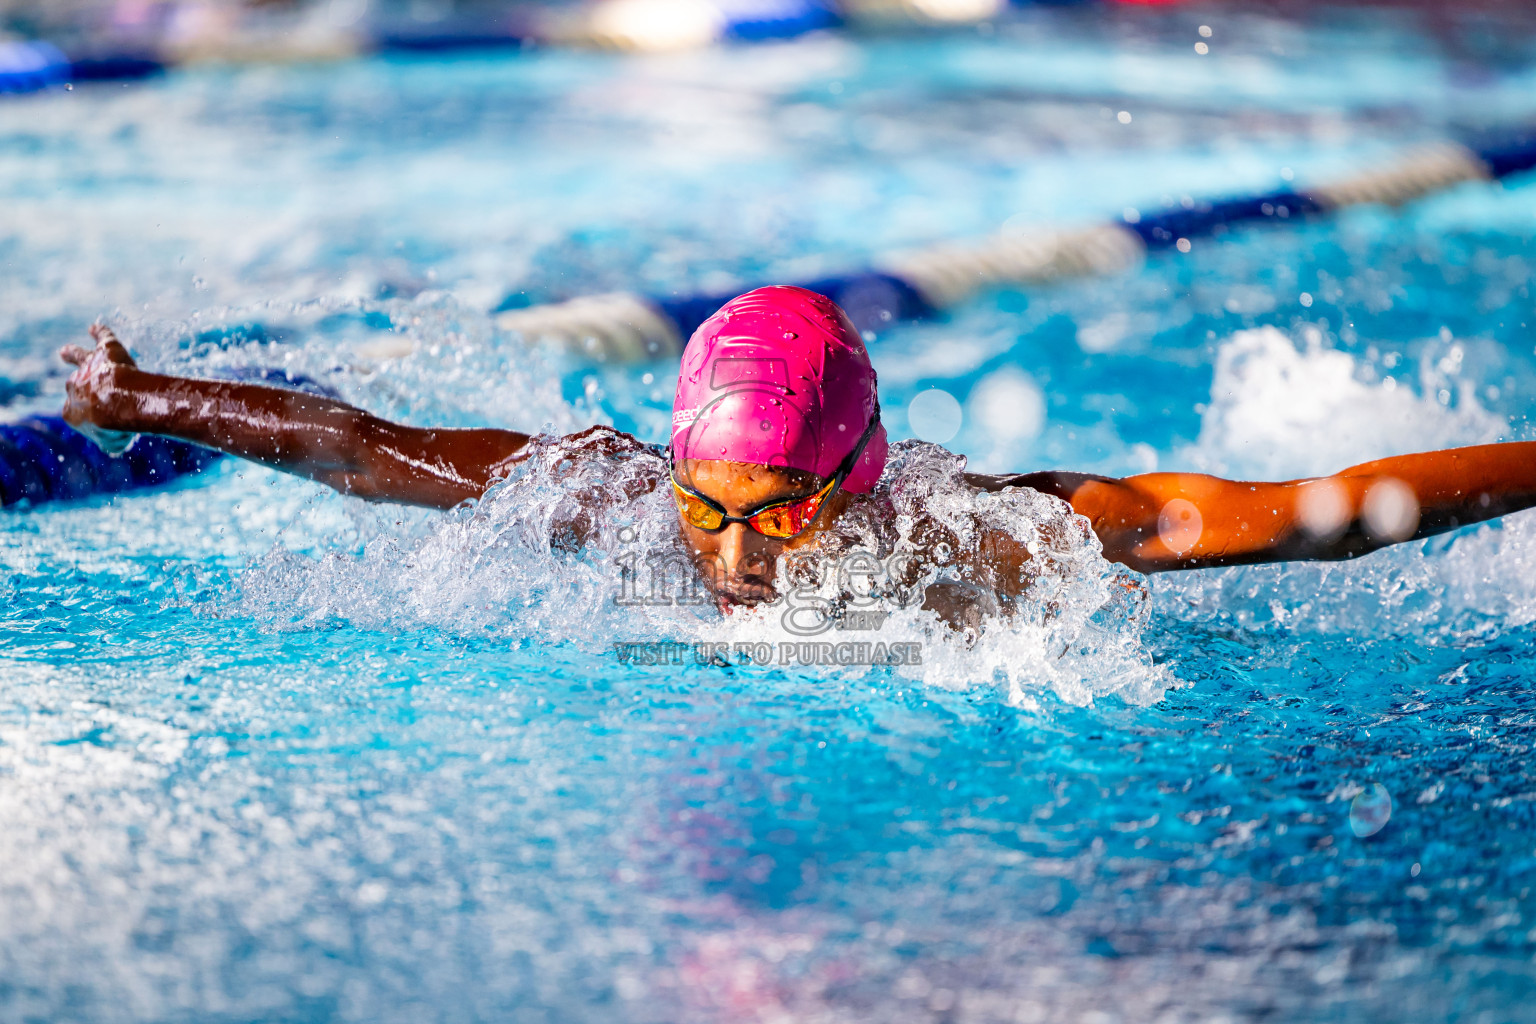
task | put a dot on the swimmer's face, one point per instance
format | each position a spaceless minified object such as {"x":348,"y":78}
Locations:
{"x":739,"y":563}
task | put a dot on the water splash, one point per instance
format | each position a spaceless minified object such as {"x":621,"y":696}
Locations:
{"x":1277,"y":410}
{"x":543,"y":557}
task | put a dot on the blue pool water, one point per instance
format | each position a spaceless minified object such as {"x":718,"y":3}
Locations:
{"x":271,"y":754}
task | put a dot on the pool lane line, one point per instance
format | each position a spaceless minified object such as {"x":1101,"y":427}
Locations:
{"x":36,"y":65}
{"x":618,"y":25}
{"x":43,"y":460}
{"x":921,"y":285}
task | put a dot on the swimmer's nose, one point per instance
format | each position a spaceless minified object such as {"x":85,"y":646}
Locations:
{"x":733,"y":546}
{"x":743,"y":554}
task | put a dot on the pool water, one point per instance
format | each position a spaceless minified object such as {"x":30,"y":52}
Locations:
{"x":267,"y":753}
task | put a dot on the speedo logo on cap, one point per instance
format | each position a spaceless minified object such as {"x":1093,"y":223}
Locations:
{"x":684,"y":417}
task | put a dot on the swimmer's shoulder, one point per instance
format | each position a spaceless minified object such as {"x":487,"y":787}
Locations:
{"x":561,"y":454}
{"x":604,"y":441}
{"x":1057,"y":483}
{"x":597,"y":441}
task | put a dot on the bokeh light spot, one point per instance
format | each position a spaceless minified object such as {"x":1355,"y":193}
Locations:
{"x":1323,"y":508}
{"x":1179,"y":526}
{"x":1370,"y":810}
{"x":934,"y":415}
{"x":1008,"y":404}
{"x":1390,"y":510}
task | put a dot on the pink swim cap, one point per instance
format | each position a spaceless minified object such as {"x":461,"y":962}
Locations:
{"x":779,"y":377}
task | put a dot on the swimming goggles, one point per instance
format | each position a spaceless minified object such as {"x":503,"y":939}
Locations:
{"x":781,"y":519}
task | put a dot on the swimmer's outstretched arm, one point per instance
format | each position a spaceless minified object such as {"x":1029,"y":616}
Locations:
{"x":109,"y":398}
{"x":1161,"y":521}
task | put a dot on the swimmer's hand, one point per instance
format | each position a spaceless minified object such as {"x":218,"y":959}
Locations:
{"x":964,"y":607}
{"x":111,"y":400}
{"x":90,"y":391}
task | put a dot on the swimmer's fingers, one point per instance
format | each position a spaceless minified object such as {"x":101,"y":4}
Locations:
{"x":87,"y":393}
{"x":108,"y":350}
{"x":106,"y":341}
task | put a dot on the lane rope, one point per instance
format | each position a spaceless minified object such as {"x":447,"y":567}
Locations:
{"x":643,"y":26}
{"x":922,"y":284}
{"x":44,"y":460}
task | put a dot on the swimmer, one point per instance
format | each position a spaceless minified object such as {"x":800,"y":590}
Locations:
{"x":776,"y":436}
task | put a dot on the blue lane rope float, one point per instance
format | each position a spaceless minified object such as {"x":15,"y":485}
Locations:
{"x":43,"y":459}
{"x":36,"y":65}
{"x":920,"y":285}
{"x":31,"y":66}
{"x":114,"y":67}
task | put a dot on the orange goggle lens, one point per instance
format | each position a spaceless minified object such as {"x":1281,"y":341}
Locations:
{"x":785,"y":520}
{"x":695,"y":511}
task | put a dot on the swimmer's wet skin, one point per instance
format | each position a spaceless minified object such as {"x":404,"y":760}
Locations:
{"x":775,"y":397}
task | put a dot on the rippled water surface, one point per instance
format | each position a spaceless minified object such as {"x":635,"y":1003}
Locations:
{"x":271,"y":754}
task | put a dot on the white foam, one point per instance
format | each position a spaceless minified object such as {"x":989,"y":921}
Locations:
{"x":1280,"y":411}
